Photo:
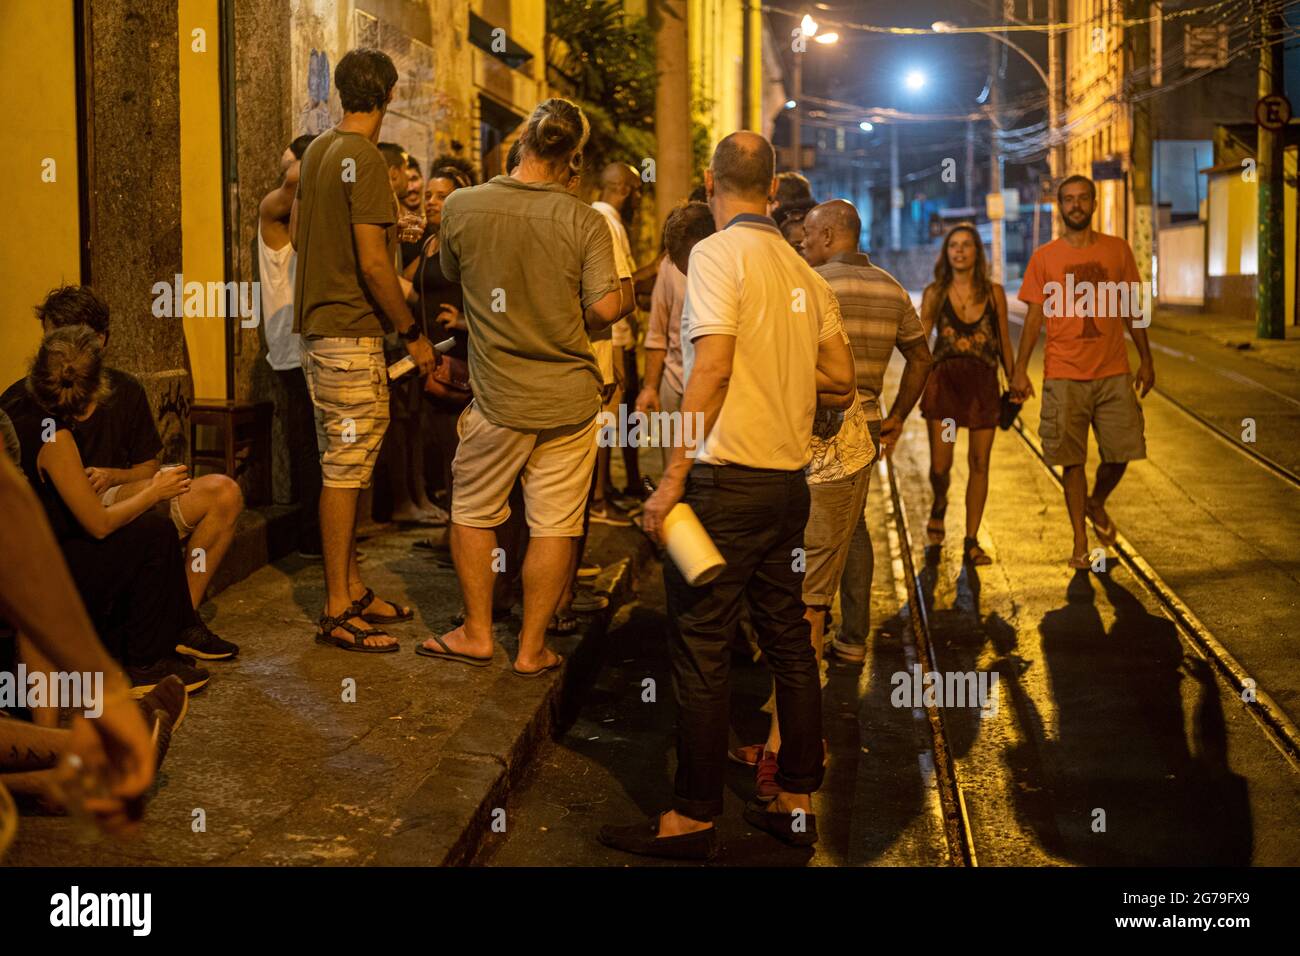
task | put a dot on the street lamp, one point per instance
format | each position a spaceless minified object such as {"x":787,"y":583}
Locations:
{"x":865,"y":126}
{"x":914,"y":80}
{"x":808,"y":28}
{"x":946,"y":26}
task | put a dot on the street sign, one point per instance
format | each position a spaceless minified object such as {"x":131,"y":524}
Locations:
{"x":1107,"y":169}
{"x":1205,"y":46}
{"x":995,"y":206}
{"x":1011,"y":204}
{"x":1273,"y":112}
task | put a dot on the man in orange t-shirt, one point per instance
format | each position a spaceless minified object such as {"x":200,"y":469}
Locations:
{"x":1086,"y":285}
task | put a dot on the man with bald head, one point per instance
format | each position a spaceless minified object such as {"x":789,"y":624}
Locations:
{"x":878,"y":316}
{"x":762,"y":349}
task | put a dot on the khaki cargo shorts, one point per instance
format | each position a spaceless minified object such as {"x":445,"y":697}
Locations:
{"x":555,"y":465}
{"x":347,"y":380}
{"x":1109,"y":405}
{"x":835,"y":510}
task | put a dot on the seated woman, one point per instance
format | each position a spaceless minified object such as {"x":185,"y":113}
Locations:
{"x":123,"y":557}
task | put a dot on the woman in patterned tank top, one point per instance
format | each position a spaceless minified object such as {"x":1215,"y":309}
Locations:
{"x":968,"y":314}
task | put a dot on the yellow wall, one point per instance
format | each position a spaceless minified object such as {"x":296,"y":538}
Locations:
{"x":202,"y":228}
{"x":716,"y":42}
{"x":39,"y":241}
{"x":1233,"y":228}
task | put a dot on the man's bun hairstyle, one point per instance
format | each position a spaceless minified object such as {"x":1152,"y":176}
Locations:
{"x":555,"y":131}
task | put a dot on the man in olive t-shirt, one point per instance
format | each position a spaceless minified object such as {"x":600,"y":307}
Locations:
{"x":346,"y":296}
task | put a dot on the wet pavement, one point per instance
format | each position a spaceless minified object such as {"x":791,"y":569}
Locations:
{"x":1113,"y":741}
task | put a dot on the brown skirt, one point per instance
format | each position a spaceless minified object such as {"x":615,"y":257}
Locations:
{"x":965,"y":390}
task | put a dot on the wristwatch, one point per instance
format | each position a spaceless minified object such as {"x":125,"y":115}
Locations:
{"x":412,"y":333}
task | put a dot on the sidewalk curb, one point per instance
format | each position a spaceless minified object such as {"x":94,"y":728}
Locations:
{"x":487,"y":756}
{"x":1242,"y":344}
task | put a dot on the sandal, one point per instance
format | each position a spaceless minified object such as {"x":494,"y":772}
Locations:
{"x":1107,"y":532}
{"x":1080,"y":564}
{"x":447,"y":654}
{"x":359,"y":608}
{"x":327,"y":625}
{"x":974,"y":554}
{"x":562,"y":624}
{"x":934,"y":527}
{"x":559,"y":659}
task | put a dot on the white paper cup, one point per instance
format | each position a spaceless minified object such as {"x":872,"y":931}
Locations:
{"x":690,"y":546}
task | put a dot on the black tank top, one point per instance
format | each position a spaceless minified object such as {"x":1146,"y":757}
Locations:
{"x":956,"y":338}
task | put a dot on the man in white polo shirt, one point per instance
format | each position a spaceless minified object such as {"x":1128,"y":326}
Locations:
{"x":762,"y":349}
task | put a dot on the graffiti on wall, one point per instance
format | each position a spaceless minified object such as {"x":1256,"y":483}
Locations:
{"x":173,"y":422}
{"x":315,"y":117}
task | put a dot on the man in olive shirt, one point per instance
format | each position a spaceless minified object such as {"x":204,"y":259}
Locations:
{"x":537,"y":269}
{"x":346,"y":296}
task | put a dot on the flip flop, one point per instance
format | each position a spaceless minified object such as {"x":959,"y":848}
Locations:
{"x":367,"y":599}
{"x":325,"y":635}
{"x":1080,"y":564}
{"x":559,"y":659}
{"x":447,"y":654}
{"x":1107,"y":533}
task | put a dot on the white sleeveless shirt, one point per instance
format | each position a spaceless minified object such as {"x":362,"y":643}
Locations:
{"x":276,"y":269}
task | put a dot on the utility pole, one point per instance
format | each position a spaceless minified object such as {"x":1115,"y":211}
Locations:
{"x":998,"y":264}
{"x":970,"y":163}
{"x":752,"y":85}
{"x":1056,"y":151}
{"x":1138,"y":68}
{"x":672,"y":107}
{"x":895,"y":194}
{"x":1270,"y":322}
{"x":796,"y":127}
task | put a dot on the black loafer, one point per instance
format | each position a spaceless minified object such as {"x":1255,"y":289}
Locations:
{"x":792,"y":829}
{"x":643,"y":839}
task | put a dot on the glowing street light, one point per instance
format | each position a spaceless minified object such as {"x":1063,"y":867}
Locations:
{"x":807,"y":28}
{"x":865,"y":126}
{"x":914,"y":80}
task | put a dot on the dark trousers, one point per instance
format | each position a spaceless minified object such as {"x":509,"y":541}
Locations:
{"x":756,"y":518}
{"x":134,"y":588}
{"x":299,"y":422}
{"x":631,"y":389}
